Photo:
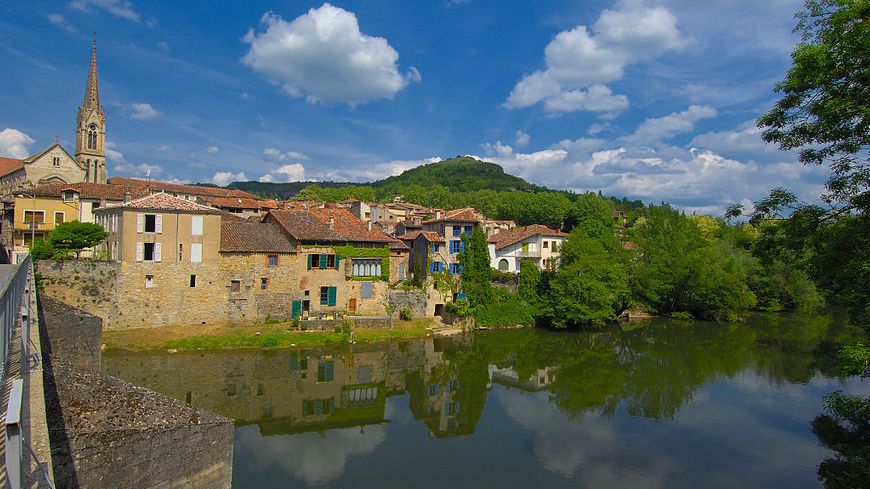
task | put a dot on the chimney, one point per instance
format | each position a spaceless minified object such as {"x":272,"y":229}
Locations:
{"x":370,"y":225}
{"x":437,"y":215}
{"x":330,"y":223}
{"x":127,"y":197}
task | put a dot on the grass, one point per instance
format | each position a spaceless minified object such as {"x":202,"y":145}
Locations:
{"x":271,"y":335}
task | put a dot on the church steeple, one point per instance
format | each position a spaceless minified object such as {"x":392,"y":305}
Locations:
{"x":91,"y":127}
{"x":92,"y":90}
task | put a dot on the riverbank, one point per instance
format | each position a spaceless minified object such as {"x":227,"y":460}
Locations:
{"x":256,"y":336}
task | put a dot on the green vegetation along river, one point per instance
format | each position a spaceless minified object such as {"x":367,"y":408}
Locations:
{"x":665,"y":403}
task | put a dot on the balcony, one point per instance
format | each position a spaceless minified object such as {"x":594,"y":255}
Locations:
{"x":528,"y":254}
{"x":36,"y":226}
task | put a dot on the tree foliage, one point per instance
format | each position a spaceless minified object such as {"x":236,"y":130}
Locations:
{"x":74,"y":236}
{"x":476,"y":270}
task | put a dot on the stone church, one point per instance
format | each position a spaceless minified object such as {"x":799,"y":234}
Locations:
{"x":54,"y":164}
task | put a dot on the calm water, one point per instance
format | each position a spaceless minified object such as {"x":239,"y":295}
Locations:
{"x":662,"y":404}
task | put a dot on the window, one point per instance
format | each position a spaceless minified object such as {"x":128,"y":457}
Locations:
{"x":457,"y":246}
{"x":196,"y":226}
{"x":330,"y":261}
{"x":468,"y":230}
{"x":457,"y":231}
{"x":149,"y":281}
{"x":196,"y":252}
{"x":327,"y":296}
{"x":313,"y":261}
{"x":401,"y":272}
{"x":435,"y":267}
{"x":546,"y":244}
{"x":317,"y":407}
{"x":434,"y":389}
{"x":272,"y":261}
{"x":259,"y":388}
{"x":365,"y":290}
{"x":58,"y":218}
{"x":325,"y":371}
{"x":322,"y":261}
{"x":180,"y":252}
{"x":188,"y":397}
{"x":264,"y":283}
{"x":150,"y":252}
{"x":55,"y":161}
{"x":92,"y":136}
{"x":68,"y":196}
{"x":193,"y":280}
{"x":434,"y":247}
{"x":503,"y":265}
{"x":34,"y":216}
{"x":454,"y":269}
{"x":150,"y":223}
{"x":367,"y":268}
{"x":235,"y":286}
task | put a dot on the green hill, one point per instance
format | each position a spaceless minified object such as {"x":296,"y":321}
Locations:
{"x":459,"y":174}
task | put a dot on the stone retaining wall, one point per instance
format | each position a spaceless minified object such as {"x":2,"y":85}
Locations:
{"x":70,"y":335}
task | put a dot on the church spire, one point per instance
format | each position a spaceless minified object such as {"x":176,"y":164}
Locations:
{"x":92,"y":90}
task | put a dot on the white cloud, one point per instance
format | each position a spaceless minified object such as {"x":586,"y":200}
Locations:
{"x":372,"y":172}
{"x":292,"y":172}
{"x":113,"y":154}
{"x":59,"y":21}
{"x":142,"y":111}
{"x":744,"y":139}
{"x":141,"y":170}
{"x":14,"y":143}
{"x":119,"y":8}
{"x":224,"y":178}
{"x":497,"y":149}
{"x":578,"y":62}
{"x":522,"y":139}
{"x":324,"y":57}
{"x":275,"y":155}
{"x":660,"y":128}
{"x":213,"y":149}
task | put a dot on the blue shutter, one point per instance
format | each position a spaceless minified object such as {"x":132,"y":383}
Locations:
{"x":462,"y":246}
{"x":366,"y":292}
{"x":432,"y":267}
{"x":331,"y":295}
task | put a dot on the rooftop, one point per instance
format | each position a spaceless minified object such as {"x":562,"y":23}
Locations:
{"x":252,"y":237}
{"x":88,"y":190}
{"x":180,"y":188}
{"x":314,"y":225}
{"x":165,"y":202}
{"x":507,"y":238}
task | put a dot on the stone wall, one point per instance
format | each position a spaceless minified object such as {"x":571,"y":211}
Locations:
{"x":415,"y":300}
{"x":358,"y":322}
{"x":70,"y":335}
{"x":107,"y":433}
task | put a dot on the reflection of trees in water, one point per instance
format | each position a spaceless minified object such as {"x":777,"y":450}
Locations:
{"x":845,"y":429}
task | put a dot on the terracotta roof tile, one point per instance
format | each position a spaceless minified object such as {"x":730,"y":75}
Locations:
{"x":88,"y":190}
{"x":179,"y":188}
{"x":507,"y":238}
{"x":409,"y":236}
{"x":165,"y":202}
{"x":313,"y":225}
{"x":252,"y":237}
{"x":466,"y":214}
{"x":9,"y":165}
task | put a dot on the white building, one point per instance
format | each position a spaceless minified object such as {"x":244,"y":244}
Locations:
{"x":536,"y":243}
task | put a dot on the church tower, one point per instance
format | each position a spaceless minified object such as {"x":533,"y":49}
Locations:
{"x":91,"y":128}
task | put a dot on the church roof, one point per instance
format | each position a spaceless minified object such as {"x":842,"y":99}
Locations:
{"x":88,"y":190}
{"x":92,"y":89}
{"x":37,"y":155}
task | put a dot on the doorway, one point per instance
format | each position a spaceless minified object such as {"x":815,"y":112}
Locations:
{"x":351,"y":306}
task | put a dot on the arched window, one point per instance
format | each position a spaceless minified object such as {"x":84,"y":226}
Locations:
{"x":92,"y":136}
{"x":503,"y":265}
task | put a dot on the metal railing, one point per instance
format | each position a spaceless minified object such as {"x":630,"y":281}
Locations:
{"x":11,"y":294}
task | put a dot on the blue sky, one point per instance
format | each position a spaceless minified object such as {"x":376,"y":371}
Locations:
{"x":650,"y":99}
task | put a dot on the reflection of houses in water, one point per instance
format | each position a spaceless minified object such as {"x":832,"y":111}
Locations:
{"x":311,"y":390}
{"x":282,"y":392}
{"x":508,"y":376}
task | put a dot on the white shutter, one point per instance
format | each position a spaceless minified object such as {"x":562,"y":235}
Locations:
{"x":140,"y":251}
{"x":196,"y":226}
{"x":158,"y":223}
{"x":196,"y":252}
{"x":156,"y":251}
{"x":140,"y":223}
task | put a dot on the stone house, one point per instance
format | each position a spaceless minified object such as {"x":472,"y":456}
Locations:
{"x":451,"y":227}
{"x":537,"y":243}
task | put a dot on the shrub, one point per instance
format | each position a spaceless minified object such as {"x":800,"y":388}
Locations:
{"x":509,"y":312}
{"x":405,"y":314}
{"x":269,"y":342}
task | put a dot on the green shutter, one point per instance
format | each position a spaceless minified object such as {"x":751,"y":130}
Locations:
{"x":309,"y":261}
{"x":336,"y":261}
{"x":297,"y":309}
{"x":330,"y":371}
{"x":323,"y":261}
{"x":331,"y":295}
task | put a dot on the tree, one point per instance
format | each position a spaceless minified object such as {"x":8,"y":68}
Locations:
{"x":825,"y":109}
{"x":591,"y":208}
{"x":591,"y":286}
{"x":476,"y":270}
{"x":74,"y":236}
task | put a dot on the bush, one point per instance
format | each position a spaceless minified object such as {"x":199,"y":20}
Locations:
{"x":405,"y":314}
{"x":509,"y":312}
{"x":41,"y":250}
{"x":461,"y":308}
{"x":269,"y":342}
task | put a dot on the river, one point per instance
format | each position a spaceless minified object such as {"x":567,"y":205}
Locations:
{"x":664,"y":403}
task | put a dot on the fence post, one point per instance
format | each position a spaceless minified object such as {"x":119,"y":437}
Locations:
{"x":13,"y":436}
